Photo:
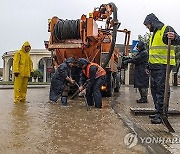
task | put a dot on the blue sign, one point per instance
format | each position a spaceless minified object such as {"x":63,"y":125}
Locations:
{"x":134,"y":45}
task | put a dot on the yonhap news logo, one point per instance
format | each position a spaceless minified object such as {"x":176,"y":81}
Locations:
{"x":131,"y":139}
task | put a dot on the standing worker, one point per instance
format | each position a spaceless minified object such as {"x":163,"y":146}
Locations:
{"x":60,"y":79}
{"x":22,"y":69}
{"x":158,"y":49}
{"x":94,"y":76}
{"x":141,"y":73}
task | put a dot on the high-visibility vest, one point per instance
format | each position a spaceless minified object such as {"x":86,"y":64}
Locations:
{"x":99,"y":72}
{"x":158,"y":50}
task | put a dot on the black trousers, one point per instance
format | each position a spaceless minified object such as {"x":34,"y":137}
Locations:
{"x":93,"y":95}
{"x":158,"y":78}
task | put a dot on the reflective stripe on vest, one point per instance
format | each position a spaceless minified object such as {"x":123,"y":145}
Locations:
{"x":99,"y":72}
{"x":158,"y":50}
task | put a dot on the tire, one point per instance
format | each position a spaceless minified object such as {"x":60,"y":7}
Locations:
{"x":110,"y":85}
{"x":117,"y":82}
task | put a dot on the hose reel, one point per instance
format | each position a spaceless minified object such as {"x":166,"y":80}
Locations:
{"x":67,"y":29}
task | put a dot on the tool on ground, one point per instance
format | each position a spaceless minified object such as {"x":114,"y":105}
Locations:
{"x":77,"y":92}
{"x":87,"y":106}
{"x":165,"y":103}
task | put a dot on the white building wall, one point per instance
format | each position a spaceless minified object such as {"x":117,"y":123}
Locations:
{"x":36,"y":56}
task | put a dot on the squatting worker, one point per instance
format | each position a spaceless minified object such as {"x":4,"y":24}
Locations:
{"x":22,"y":69}
{"x":158,"y":49}
{"x":94,"y":76}
{"x":59,"y":81}
{"x":141,"y":72}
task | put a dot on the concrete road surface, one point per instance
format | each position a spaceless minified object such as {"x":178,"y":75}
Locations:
{"x":38,"y":127}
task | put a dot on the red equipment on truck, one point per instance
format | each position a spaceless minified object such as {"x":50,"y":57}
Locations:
{"x":82,"y":38}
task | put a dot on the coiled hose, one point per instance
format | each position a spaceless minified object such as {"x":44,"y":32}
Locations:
{"x":114,"y":34}
{"x":67,"y":29}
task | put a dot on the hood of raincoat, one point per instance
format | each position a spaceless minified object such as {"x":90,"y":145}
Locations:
{"x":22,"y":62}
{"x":141,"y":46}
{"x":153,"y":21}
{"x":82,"y":61}
{"x":24,"y":45}
{"x":70,"y":60}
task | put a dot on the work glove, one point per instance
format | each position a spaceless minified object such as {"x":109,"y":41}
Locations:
{"x":72,"y":81}
{"x":124,"y":63}
{"x":81,"y":88}
{"x":16,"y":74}
{"x":32,"y":73}
{"x":83,"y":92}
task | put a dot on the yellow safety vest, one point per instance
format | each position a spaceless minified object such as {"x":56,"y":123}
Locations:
{"x":158,"y":50}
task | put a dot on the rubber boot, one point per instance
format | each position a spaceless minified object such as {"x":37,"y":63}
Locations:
{"x":157,"y":119}
{"x":64,"y":100}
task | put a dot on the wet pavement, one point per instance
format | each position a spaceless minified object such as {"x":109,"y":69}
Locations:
{"x":156,"y":138}
{"x":44,"y":128}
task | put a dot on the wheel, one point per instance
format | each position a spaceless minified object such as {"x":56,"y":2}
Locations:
{"x":110,"y":85}
{"x":117,"y":82}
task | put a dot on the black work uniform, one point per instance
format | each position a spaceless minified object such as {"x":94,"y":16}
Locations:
{"x":59,"y":80}
{"x":93,"y":94}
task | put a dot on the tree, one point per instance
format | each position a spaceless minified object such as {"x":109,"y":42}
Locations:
{"x":145,"y":38}
{"x":37,"y":74}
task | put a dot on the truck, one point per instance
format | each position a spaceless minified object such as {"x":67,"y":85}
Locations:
{"x":83,"y":38}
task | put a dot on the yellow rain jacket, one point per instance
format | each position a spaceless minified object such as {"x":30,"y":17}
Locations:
{"x":22,"y":62}
{"x":22,"y":65}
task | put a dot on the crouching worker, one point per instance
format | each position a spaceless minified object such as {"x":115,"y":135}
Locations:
{"x":22,"y":69}
{"x":141,"y":72}
{"x":60,"y":79}
{"x":94,"y":76}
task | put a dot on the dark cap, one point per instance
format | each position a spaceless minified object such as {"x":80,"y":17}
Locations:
{"x":82,"y":61}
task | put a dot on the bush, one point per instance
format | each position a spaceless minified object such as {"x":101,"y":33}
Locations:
{"x":37,"y":74}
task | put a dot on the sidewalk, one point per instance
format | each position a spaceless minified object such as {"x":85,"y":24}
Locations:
{"x":141,"y":125}
{"x":29,"y":86}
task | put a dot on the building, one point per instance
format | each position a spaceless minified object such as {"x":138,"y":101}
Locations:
{"x":41,"y":59}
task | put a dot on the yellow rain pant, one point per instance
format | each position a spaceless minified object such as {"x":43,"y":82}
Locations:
{"x":20,"y":89}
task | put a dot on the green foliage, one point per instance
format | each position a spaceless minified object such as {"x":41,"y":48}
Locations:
{"x":37,"y":74}
{"x":145,"y":38}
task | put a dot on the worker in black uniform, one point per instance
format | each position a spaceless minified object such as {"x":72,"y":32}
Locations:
{"x":94,"y":77}
{"x":59,"y":81}
{"x":158,"y":49}
{"x":141,"y":72}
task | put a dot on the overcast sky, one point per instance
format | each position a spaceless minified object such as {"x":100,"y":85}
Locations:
{"x":23,"y":20}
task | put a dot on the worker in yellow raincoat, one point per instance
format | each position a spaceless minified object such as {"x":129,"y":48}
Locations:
{"x":22,"y":69}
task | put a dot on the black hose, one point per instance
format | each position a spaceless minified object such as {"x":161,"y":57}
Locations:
{"x":67,"y":29}
{"x":113,"y":43}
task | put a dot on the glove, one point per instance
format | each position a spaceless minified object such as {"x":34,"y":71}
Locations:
{"x":83,"y":92}
{"x":72,"y":81}
{"x":32,"y":73}
{"x":124,"y":63}
{"x":16,"y":74}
